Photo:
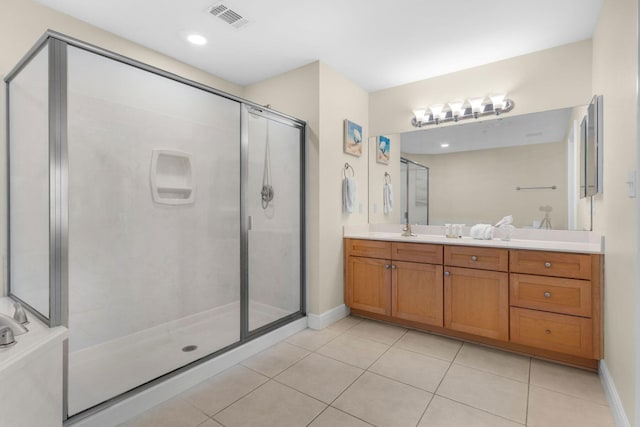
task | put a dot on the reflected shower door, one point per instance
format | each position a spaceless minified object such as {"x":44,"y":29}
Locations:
{"x":414,"y":192}
{"x":154,"y":226}
{"x":273,"y":209}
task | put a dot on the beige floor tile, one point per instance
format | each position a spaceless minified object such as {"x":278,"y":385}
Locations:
{"x":355,"y":351}
{"x":573,"y":381}
{"x":225,"y":388}
{"x":332,"y":417}
{"x":320,"y":377}
{"x":447,"y":413}
{"x":377,"y":331}
{"x":383,"y":402}
{"x":497,"y":362}
{"x":492,"y":393}
{"x":275,"y":359}
{"x":311,"y":339}
{"x":431,"y":345}
{"x":173,"y":413}
{"x":411,"y":368}
{"x":345,"y":324}
{"x":551,"y":409}
{"x":272,"y":404}
{"x":210,"y":423}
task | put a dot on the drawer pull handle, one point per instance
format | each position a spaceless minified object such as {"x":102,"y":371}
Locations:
{"x":387,"y":266}
{"x":474,"y":258}
{"x":547,"y":294}
{"x":548,"y":332}
{"x":547,"y":264}
{"x":447,"y":274}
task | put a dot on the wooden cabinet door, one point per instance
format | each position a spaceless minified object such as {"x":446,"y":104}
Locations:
{"x":477,"y":302}
{"x":417,"y":292}
{"x":369,"y":285}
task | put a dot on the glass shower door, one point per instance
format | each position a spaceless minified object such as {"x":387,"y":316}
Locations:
{"x":154,"y":226}
{"x":273,"y":209}
{"x":414,"y":192}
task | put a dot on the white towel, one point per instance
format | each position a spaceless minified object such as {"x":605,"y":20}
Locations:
{"x":387,"y":196}
{"x":482,"y":231}
{"x":348,"y":195}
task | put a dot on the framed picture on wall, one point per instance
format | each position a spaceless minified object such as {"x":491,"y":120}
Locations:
{"x":352,"y":138}
{"x":383,"y":149}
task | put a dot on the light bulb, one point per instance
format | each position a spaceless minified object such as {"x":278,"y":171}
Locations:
{"x":456,"y":107}
{"x":476,"y":106}
{"x":498,"y":101}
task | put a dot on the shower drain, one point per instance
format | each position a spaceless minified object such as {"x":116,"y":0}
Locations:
{"x":188,"y":348}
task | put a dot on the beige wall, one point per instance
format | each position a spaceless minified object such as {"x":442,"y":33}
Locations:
{"x":615,"y":67}
{"x":545,"y":80}
{"x":479,"y":186}
{"x":323,"y":98}
{"x":376,"y":182}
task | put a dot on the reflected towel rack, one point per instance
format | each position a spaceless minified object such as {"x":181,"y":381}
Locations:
{"x":387,"y":178}
{"x":347,"y":166}
{"x":551,"y":187}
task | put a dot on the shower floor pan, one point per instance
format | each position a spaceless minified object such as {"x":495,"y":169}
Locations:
{"x":101,"y":372}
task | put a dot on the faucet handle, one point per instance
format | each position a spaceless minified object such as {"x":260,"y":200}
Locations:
{"x":20,"y":315}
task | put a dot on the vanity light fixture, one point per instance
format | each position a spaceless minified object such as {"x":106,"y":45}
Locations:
{"x":459,"y":110}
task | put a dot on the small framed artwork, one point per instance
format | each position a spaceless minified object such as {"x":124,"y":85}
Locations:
{"x":382,"y":150}
{"x":352,"y":138}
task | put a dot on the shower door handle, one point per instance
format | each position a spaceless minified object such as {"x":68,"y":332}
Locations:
{"x":250,"y":223}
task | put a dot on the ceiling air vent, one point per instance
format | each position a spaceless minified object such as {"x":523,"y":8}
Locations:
{"x":228,"y":15}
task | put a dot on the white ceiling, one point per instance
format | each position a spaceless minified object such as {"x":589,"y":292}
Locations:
{"x":505,"y":131}
{"x":376,"y":44}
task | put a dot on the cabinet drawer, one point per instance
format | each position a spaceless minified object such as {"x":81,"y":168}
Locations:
{"x":417,"y":252}
{"x":368,"y":248}
{"x":475,"y":257}
{"x":554,"y":332}
{"x":576,"y":266}
{"x":568,"y":296}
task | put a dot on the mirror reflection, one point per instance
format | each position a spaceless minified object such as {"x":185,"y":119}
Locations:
{"x":478,"y":172}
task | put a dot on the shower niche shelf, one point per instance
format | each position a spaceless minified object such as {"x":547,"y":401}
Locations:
{"x":172,"y":177}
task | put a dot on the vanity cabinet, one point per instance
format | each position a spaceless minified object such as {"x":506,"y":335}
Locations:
{"x":542,"y":303}
{"x":553,"y":300}
{"x":399,"y":280}
{"x":476,"y":300}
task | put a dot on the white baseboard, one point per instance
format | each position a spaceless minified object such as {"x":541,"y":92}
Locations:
{"x":147,"y":399}
{"x":321,"y":321}
{"x":619,"y":415}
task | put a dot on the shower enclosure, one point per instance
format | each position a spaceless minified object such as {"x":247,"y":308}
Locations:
{"x":158,"y":219}
{"x":414,"y":192}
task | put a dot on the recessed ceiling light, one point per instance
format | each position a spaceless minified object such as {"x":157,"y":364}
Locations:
{"x":444,"y":145}
{"x":196,"y":39}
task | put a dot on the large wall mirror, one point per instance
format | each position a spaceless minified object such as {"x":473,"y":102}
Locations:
{"x":475,"y":172}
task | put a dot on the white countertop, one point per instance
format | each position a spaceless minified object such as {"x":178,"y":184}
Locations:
{"x":544,"y":240}
{"x":29,"y":345}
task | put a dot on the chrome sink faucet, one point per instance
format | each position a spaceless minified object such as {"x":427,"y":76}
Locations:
{"x":406,"y":231}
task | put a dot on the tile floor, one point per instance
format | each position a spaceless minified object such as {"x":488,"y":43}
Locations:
{"x":361,"y":373}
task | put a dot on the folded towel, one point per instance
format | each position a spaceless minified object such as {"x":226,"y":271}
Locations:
{"x":387,"y":195}
{"x":348,"y":195}
{"x":482,"y":231}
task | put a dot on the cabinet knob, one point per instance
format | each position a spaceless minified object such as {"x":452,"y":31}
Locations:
{"x":547,"y":264}
{"x":387,"y":266}
{"x":547,"y":294}
{"x":548,"y":332}
{"x":474,"y":258}
{"x":393,"y":267}
{"x":447,"y":274}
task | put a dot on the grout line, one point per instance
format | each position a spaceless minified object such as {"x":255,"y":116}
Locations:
{"x":479,"y":409}
{"x":425,"y":409}
{"x":448,"y":369}
{"x":570,"y":395}
{"x":526,"y":412}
